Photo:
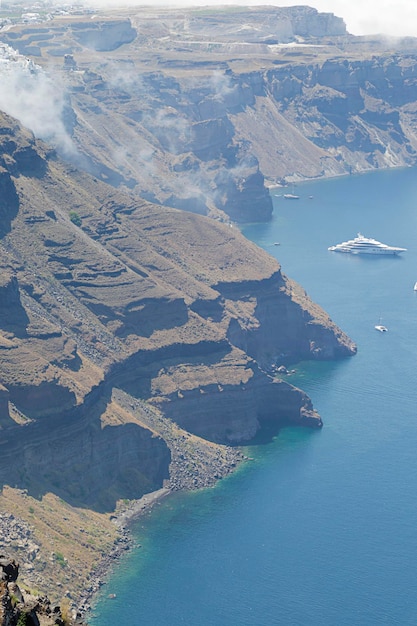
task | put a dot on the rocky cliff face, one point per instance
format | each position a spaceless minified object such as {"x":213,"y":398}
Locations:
{"x":137,"y":340}
{"x":172,"y":308}
{"x":241,"y":24}
{"x":103,"y":36}
{"x":202,"y":110}
{"x":358,"y":114}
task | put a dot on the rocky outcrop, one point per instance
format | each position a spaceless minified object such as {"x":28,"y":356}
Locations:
{"x":9,"y":202}
{"x":236,"y":412}
{"x":12,"y":313}
{"x":4,"y":406}
{"x":308,"y":22}
{"x":239,"y":192}
{"x":23,"y":608}
{"x":299,"y":332}
{"x":9,"y":569}
{"x":83,"y":460}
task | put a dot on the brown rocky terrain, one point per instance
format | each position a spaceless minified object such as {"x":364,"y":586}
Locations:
{"x":136,"y":341}
{"x":17,"y":607}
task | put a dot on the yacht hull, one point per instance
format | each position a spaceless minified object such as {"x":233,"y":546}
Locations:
{"x":366,"y":245}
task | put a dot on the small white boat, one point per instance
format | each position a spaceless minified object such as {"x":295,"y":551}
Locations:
{"x":415,"y":286}
{"x":381,"y":327}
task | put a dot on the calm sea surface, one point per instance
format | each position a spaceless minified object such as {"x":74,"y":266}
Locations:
{"x":321,"y":527}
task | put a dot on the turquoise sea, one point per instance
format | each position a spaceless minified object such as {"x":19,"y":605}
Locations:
{"x":321,"y":527}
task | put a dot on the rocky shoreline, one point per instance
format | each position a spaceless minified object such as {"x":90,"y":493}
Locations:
{"x":195,"y":466}
{"x":124,"y":542}
{"x":180,"y":480}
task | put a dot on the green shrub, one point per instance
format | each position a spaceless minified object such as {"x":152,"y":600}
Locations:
{"x":60,"y":559}
{"x":14,"y":599}
{"x":75,"y":218}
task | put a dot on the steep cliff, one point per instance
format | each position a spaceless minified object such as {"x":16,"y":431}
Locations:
{"x":135,"y":341}
{"x":167,"y":305}
{"x":203,"y":109}
{"x":338,"y":116}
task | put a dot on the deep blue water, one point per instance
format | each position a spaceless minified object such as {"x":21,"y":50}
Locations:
{"x":321,"y":527}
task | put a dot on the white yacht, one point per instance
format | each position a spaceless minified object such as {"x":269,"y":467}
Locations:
{"x":365,"y":245}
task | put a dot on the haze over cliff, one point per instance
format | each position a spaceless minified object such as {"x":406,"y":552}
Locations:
{"x":140,"y":339}
{"x":204,"y":109}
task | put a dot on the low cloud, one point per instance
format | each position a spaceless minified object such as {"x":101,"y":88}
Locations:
{"x":34,"y":98}
{"x":221,"y":85}
{"x":396,"y":18}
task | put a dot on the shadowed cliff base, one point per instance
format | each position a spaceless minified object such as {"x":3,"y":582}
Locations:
{"x":83,"y":461}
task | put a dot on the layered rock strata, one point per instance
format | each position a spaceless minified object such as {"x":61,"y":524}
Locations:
{"x":174,"y":309}
{"x":276,"y":94}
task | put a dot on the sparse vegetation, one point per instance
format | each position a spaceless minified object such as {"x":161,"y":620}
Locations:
{"x":66,"y":612}
{"x":75,"y":218}
{"x":23,"y":619}
{"x":61,"y":530}
{"x":14,"y":599}
{"x":60,"y":559}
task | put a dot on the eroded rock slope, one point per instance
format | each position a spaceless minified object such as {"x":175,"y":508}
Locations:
{"x":105,"y":294}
